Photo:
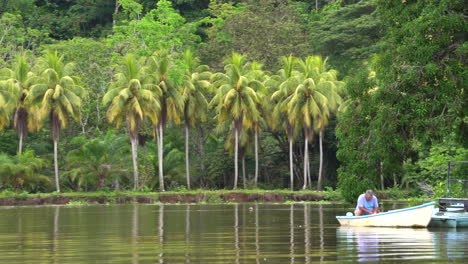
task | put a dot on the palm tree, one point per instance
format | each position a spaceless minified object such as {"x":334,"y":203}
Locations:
{"x":244,"y":145}
{"x":235,"y":99}
{"x":97,"y":159}
{"x":256,"y":73}
{"x":59,"y":96}
{"x":6,"y":105}
{"x":315,"y":98}
{"x":306,"y":106}
{"x":170,"y":101}
{"x":196,"y":82}
{"x":18,"y":81}
{"x":22,"y":169}
{"x":332,"y":90}
{"x":285,"y":84}
{"x":133,"y":97}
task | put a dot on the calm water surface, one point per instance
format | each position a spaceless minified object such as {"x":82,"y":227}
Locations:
{"x":226,"y":233}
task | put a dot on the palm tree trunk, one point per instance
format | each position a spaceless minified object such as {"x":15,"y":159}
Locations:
{"x":306,"y":164}
{"x":319,"y":182}
{"x":160,"y":158}
{"x":309,"y":179}
{"x":381,"y":176}
{"x":20,"y":145}
{"x":236,"y":154}
{"x":134,"y":142}
{"x":256,"y":159}
{"x":57,"y":185}
{"x":243,"y":172}
{"x":187,"y":165}
{"x":291,"y":164}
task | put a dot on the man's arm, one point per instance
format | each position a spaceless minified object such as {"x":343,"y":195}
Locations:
{"x":376,"y":210}
{"x":363,"y":209}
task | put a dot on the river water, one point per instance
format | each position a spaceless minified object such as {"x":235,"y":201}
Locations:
{"x":214,"y":233}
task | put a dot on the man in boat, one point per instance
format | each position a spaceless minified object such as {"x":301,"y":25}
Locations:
{"x":367,"y":204}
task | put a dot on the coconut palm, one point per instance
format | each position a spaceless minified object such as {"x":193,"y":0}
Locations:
{"x":170,"y":101}
{"x":196,"y":82}
{"x":284,"y":85}
{"x":58,"y":93}
{"x":256,"y":73}
{"x":244,"y":146}
{"x":133,"y":97}
{"x":6,"y":105}
{"x":332,"y":92}
{"x":235,"y":99}
{"x":315,"y":98}
{"x":18,"y":81}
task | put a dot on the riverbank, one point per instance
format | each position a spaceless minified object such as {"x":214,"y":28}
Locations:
{"x":8,"y":198}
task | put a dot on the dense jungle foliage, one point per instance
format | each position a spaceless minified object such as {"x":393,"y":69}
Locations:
{"x":180,"y":94}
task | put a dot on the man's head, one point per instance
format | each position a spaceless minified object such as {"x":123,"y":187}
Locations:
{"x":369,"y":195}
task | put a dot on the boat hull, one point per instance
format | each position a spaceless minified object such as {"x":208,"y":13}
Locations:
{"x":418,"y":216}
{"x":449,"y":219}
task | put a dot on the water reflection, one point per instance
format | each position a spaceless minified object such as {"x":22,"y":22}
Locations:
{"x":236,"y":232}
{"x":227,"y":233}
{"x":257,"y":236}
{"x":321,"y":232}
{"x":135,"y":234}
{"x":306,"y":233}
{"x":161,"y":233}
{"x":374,"y":244}
{"x":55,"y":235}
{"x":187,"y":233}
{"x":291,"y":233}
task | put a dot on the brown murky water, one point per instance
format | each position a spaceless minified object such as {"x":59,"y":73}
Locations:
{"x":213,"y":233}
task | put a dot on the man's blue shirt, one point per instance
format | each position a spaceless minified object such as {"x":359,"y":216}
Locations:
{"x":369,"y":205}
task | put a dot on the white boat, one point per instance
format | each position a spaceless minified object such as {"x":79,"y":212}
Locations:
{"x":449,"y":218}
{"x":417,"y":216}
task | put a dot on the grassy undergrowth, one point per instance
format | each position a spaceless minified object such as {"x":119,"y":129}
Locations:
{"x":22,"y":194}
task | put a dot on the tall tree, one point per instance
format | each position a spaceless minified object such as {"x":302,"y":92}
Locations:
{"x":284,"y":85}
{"x":331,"y":88}
{"x":170,"y":101}
{"x":58,"y":93}
{"x":196,"y":82}
{"x":18,"y":82}
{"x":133,"y":97}
{"x":256,"y":74}
{"x":235,"y":99}
{"x":307,"y":105}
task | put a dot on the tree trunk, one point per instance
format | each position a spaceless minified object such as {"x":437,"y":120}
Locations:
{"x":309,"y":179}
{"x":202,"y":152}
{"x":21,"y":125}
{"x":381,"y":176}
{"x":20,"y":145}
{"x":319,"y":181}
{"x":236,"y":154}
{"x":57,"y":185}
{"x":134,"y":142}
{"x":243,"y":172}
{"x":160,"y":158}
{"x":115,"y":184}
{"x":291,"y":164}
{"x":116,"y":11}
{"x":256,"y":159}
{"x":187,"y":165}
{"x":306,"y":164}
